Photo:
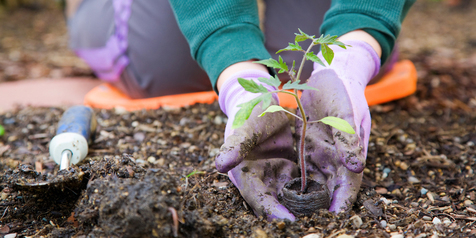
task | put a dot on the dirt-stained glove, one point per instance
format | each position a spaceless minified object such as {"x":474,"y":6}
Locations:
{"x":258,"y":156}
{"x":333,"y":157}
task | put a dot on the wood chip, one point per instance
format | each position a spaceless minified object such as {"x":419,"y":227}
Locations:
{"x":39,"y":167}
{"x":3,"y":149}
{"x":463,"y":217}
{"x":4,"y":229}
{"x":381,"y":190}
{"x":38,"y":136}
{"x":376,"y":211}
{"x":430,"y":196}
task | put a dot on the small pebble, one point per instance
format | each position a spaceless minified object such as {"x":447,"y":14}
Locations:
{"x":447,"y":221}
{"x":386,"y":201}
{"x":213,"y":152}
{"x":151,"y":159}
{"x":418,"y":224}
{"x":383,"y":223}
{"x":140,"y":161}
{"x":184,"y":121}
{"x":139,"y":136}
{"x":414,"y":204}
{"x":397,"y":193}
{"x":470,"y":144}
{"x":331,"y":226}
{"x":281,"y":225}
{"x":260,"y":234}
{"x":392,"y":227}
{"x":397,"y":236}
{"x":356,"y":221}
{"x":161,"y":162}
{"x":436,"y":221}
{"x":11,"y":235}
{"x":403,"y":166}
{"x":4,"y":196}
{"x":313,"y":235}
{"x":386,"y":171}
{"x":8,"y":121}
{"x":135,"y":124}
{"x":412,"y":179}
{"x":366,"y":171}
{"x":120,"y":110}
{"x":218,"y":120}
{"x":468,"y":203}
{"x":426,"y":218}
{"x":345,"y":236}
{"x":381,"y":190}
{"x":423,"y":191}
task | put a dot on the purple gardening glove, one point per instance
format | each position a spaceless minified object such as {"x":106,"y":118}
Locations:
{"x":258,"y":156}
{"x":333,"y":157}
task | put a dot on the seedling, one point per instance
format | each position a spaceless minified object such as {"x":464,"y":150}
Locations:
{"x":2,"y":130}
{"x":294,"y":84}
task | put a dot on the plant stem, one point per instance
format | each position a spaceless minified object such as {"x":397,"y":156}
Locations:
{"x":303,"y":60}
{"x":304,"y":125}
{"x":301,"y":148}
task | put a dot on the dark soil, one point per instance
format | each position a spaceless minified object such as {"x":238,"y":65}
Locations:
{"x":152,"y":173}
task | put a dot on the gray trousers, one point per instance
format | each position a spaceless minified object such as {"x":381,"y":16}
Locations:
{"x":159,"y":60}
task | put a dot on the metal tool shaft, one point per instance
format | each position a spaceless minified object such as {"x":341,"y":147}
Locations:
{"x":65,"y":159}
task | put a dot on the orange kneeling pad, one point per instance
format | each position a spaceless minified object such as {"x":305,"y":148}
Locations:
{"x":397,"y":83}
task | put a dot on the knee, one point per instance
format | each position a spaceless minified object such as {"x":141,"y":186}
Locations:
{"x":91,"y":25}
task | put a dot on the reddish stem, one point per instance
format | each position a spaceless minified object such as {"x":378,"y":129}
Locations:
{"x":302,"y":159}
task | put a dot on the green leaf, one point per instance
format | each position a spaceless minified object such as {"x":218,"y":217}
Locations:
{"x":282,"y":65}
{"x":272,"y":63}
{"x":312,"y":57}
{"x":302,"y":36}
{"x":2,"y":130}
{"x":195,"y":172}
{"x":338,"y":123}
{"x":244,"y":113}
{"x":266,"y":98}
{"x":250,"y":86}
{"x":272,"y":108}
{"x":328,"y":53}
{"x":273,"y":81}
{"x":291,"y":47}
{"x":342,"y":45}
{"x":296,"y":85}
{"x":325,"y":39}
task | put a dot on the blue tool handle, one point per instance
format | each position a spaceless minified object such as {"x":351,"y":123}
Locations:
{"x":80,"y":120}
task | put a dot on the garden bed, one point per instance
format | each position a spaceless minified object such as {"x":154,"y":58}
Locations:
{"x":152,"y":173}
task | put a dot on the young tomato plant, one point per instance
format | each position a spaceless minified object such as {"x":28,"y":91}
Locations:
{"x":292,"y":87}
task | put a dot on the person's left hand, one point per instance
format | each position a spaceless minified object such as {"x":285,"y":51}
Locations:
{"x":334,"y":157}
{"x":258,"y":156}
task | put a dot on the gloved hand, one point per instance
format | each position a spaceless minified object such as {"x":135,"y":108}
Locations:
{"x":259,"y":156}
{"x":333,"y":157}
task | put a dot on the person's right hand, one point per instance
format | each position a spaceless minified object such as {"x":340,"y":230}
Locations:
{"x":333,"y":157}
{"x":258,"y":156}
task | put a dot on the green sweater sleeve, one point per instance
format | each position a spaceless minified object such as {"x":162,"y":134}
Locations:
{"x":380,"y":18}
{"x":220,"y":33}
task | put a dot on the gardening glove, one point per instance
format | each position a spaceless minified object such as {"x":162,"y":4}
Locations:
{"x":258,"y":156}
{"x":334,"y":157}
